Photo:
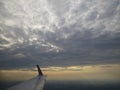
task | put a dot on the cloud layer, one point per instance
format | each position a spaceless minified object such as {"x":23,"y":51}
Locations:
{"x":59,"y":32}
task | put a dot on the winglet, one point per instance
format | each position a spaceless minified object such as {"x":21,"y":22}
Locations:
{"x":39,"y":70}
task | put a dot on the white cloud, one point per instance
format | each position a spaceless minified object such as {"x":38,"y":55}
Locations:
{"x":51,"y":15}
{"x":19,"y":55}
{"x":60,"y":25}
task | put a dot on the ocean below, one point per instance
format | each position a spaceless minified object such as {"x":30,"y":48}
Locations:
{"x":69,"y":85}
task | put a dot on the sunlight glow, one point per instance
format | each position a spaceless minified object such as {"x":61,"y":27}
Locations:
{"x":95,"y":72}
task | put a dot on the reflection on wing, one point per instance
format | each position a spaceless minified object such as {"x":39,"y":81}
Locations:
{"x":36,"y":83}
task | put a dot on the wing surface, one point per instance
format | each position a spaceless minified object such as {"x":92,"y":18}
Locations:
{"x":36,"y":83}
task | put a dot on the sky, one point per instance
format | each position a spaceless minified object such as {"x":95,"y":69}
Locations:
{"x":59,"y":33}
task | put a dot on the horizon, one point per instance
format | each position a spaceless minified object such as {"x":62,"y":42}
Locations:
{"x":96,"y":73}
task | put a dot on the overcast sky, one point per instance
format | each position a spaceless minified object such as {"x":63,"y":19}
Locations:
{"x":59,"y":32}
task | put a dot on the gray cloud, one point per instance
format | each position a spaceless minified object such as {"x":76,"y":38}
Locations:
{"x":59,"y":33}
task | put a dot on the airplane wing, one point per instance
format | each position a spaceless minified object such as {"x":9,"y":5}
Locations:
{"x":36,"y":83}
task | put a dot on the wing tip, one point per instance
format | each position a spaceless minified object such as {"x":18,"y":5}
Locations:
{"x":39,"y":70}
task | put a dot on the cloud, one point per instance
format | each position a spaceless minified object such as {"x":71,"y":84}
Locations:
{"x":59,"y":33}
